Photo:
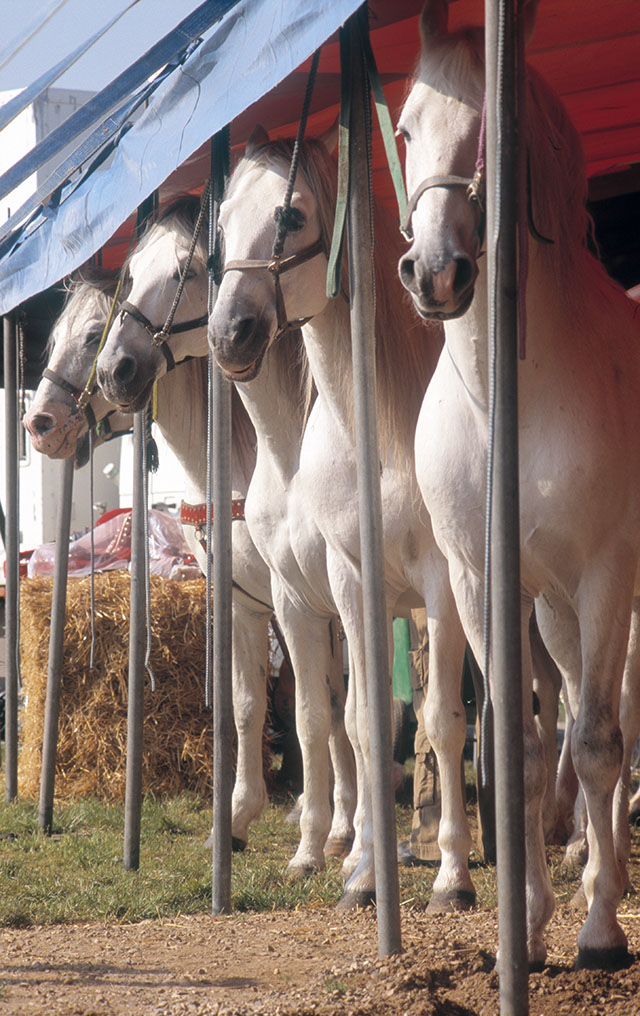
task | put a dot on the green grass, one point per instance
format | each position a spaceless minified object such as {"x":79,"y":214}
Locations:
{"x":78,"y":874}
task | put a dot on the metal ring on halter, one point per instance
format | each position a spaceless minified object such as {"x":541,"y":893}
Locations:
{"x":474,"y":187}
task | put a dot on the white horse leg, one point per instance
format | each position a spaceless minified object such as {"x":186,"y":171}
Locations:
{"x":630,"y":726}
{"x":308,"y":639}
{"x":352,"y":860}
{"x":250,"y":661}
{"x":540,"y":899}
{"x":547,"y":682}
{"x":446,"y":727}
{"x":341,"y":834}
{"x":566,"y":780}
{"x":596,"y":744}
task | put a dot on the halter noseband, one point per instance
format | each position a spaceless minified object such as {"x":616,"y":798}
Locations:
{"x":159,"y":335}
{"x":474,"y":186}
{"x":277,"y":264}
{"x":75,"y":393}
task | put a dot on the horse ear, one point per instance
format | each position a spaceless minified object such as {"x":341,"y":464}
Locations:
{"x":529,"y":15}
{"x":257,"y":139}
{"x":433,"y":20}
{"x":330,"y":137}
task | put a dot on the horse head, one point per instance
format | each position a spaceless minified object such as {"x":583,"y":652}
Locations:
{"x":57,"y":420}
{"x":440,"y":124}
{"x":141,"y":347}
{"x":264,"y":293}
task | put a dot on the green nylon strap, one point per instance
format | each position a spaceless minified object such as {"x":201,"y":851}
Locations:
{"x":386,"y":127}
{"x":334,"y":267}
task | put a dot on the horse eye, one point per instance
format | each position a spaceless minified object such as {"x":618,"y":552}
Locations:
{"x":177,"y":275}
{"x":92,"y":338}
{"x":402,"y":133}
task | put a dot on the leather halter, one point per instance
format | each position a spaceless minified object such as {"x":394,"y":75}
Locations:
{"x":74,"y":392}
{"x":474,"y":186}
{"x":158,"y":334}
{"x":277,"y":265}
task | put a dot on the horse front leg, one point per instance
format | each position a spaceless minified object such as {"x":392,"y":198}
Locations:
{"x":341,"y":834}
{"x":250,"y":662}
{"x":446,"y":728}
{"x":309,"y":642}
{"x":604,"y":611}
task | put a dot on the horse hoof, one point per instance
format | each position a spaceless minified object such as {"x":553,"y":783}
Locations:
{"x":301,"y":872}
{"x":238,"y":845}
{"x":604,"y":959}
{"x":338,"y":847}
{"x":579,"y":900}
{"x":356,"y":899}
{"x":448,"y":902}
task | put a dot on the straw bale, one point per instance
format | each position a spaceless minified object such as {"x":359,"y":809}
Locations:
{"x":91,"y":755}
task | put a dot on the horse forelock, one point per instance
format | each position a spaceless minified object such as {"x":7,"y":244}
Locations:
{"x":89,"y":294}
{"x":177,"y":221}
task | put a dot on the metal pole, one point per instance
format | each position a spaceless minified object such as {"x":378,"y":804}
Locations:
{"x":220,"y":477}
{"x":505,"y":538}
{"x":56,"y":649}
{"x":13,"y":556}
{"x":222,"y":704}
{"x":137,"y":647}
{"x":362,"y":288}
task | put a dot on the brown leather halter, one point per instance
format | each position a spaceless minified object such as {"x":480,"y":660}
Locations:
{"x":474,"y":186}
{"x":159,"y":333}
{"x":277,"y":264}
{"x":74,"y":392}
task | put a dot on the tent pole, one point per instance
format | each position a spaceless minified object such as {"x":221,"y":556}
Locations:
{"x":137,"y":647}
{"x":12,"y":555}
{"x":56,"y":648}
{"x":222,"y":621}
{"x":222,"y":565}
{"x":378,"y":678}
{"x":505,"y":534}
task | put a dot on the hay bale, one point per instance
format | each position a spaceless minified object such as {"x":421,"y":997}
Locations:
{"x":91,"y":757}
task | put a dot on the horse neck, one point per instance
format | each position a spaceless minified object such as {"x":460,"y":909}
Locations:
{"x":182,"y":419}
{"x":327,"y":340}
{"x":272,"y":401}
{"x":466,"y":344}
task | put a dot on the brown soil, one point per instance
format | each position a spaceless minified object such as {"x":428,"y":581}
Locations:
{"x":313,"y":961}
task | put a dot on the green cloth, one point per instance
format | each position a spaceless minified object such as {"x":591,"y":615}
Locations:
{"x":401,"y":646}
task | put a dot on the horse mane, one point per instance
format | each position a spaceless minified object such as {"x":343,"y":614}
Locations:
{"x":89,"y":286}
{"x":406,"y":349}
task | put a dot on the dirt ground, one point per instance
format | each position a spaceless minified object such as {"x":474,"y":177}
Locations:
{"x":313,"y":961}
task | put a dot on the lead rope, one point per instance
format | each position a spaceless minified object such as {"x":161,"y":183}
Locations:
{"x":283,"y":213}
{"x":92,"y":572}
{"x":165,"y":331}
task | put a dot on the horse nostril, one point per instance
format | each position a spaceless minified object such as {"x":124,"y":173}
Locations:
{"x":245,"y":331}
{"x":125,"y":370}
{"x":464,"y":274}
{"x":40,"y":424}
{"x":407,"y":270}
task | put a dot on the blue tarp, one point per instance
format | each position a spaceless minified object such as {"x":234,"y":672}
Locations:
{"x":254,"y":47}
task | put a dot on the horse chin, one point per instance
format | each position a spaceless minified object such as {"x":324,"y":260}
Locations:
{"x":430,"y":313}
{"x":248,"y":373}
{"x":138,"y":402}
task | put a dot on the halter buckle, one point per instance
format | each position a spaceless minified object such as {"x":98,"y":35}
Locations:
{"x":160,"y":337}
{"x":475,"y":190}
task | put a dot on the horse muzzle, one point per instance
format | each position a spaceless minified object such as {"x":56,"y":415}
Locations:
{"x":240,"y":349}
{"x":444,"y":291}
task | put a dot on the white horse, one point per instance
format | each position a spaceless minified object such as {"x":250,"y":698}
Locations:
{"x":56,"y":425}
{"x":127,"y":366}
{"x":578,"y":426}
{"x":244,"y":324}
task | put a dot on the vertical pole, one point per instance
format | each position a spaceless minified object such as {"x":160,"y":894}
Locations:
{"x":56,"y":648}
{"x":362,"y":288}
{"x":222,"y":584}
{"x":12,"y":556}
{"x":137,"y":647}
{"x":505,"y":532}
